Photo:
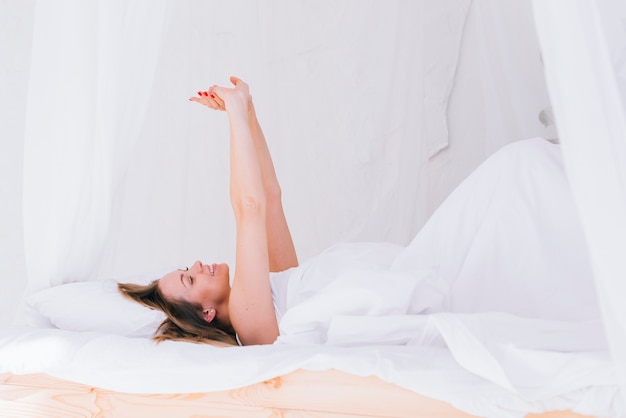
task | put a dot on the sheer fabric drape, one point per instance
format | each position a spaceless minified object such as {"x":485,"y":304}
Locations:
{"x":91,"y":78}
{"x":584,"y":50}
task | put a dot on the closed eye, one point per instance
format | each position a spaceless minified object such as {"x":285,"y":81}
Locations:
{"x":189,"y":278}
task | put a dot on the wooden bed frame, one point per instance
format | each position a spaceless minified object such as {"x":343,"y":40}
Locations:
{"x":302,"y":393}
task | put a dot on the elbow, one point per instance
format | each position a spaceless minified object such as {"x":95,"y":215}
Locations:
{"x":248,"y":204}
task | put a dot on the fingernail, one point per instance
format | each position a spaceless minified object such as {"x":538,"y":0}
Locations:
{"x":199,"y":93}
{"x":212,"y":96}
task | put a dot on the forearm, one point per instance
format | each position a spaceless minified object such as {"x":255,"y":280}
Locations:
{"x":246,"y":184}
{"x":281,"y":250}
{"x":268,"y":174}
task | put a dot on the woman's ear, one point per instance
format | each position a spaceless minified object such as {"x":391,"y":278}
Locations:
{"x":209,"y":314}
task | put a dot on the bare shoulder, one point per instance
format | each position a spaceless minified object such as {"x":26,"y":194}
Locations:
{"x":255,"y":323}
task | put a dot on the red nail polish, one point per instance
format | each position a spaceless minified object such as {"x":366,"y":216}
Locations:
{"x":199,"y":93}
{"x":212,"y":96}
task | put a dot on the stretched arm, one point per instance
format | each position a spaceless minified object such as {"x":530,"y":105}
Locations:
{"x":250,"y":305}
{"x":281,"y":250}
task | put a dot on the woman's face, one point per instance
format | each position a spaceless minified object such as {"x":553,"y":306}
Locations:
{"x":201,"y":284}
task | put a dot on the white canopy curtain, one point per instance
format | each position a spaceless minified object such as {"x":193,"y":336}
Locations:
{"x":584,"y":49}
{"x":92,"y":69}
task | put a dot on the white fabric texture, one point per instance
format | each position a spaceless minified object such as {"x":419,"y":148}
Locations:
{"x":92,"y":69}
{"x":533,"y":355}
{"x":499,"y":92}
{"x":584,"y":49}
{"x":508,"y":239}
{"x":91,"y":306}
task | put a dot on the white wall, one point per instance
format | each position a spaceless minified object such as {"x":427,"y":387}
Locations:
{"x":498,"y":94}
{"x":16,"y":22}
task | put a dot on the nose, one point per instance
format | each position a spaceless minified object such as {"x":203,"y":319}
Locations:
{"x":197,"y":265}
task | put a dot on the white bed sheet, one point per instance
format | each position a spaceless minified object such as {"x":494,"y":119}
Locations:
{"x":137,"y":365}
{"x":508,"y":320}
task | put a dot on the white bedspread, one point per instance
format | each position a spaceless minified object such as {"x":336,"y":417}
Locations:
{"x":491,"y":308}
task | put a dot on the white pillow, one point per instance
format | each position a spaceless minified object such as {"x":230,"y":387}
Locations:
{"x":91,"y":306}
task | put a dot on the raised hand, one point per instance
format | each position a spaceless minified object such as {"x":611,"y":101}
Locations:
{"x":226,"y":98}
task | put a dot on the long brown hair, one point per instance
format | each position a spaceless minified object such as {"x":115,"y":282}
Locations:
{"x":184,"y":320}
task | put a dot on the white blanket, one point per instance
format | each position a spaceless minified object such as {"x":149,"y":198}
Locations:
{"x":499,"y":274}
{"x":491,"y":308}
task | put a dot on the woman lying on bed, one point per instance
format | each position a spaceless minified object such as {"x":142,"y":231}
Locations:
{"x":507,"y":240}
{"x":199,"y":300}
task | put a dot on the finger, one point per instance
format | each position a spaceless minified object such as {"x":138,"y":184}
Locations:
{"x":198,"y":99}
{"x":210,"y":98}
{"x":214,"y":104}
{"x":206,"y":101}
{"x":234,"y":80}
{"x":218,"y":100}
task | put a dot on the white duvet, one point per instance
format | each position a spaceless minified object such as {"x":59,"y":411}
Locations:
{"x":491,"y":308}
